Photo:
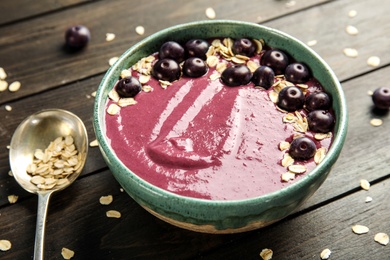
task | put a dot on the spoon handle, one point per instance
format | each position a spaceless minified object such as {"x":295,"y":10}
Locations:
{"x":43,"y":204}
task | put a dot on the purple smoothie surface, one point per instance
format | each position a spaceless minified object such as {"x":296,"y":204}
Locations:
{"x":202,"y":139}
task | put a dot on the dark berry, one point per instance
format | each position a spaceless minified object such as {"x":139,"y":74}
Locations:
{"x":291,"y":99}
{"x":264,"y":77}
{"x":318,"y":101}
{"x":172,"y":50}
{"x":320,"y":121}
{"x":276,"y":59}
{"x":197,"y":48}
{"x":128,"y":87}
{"x":166,"y":69}
{"x":77,"y":37}
{"x":297,"y":73}
{"x":236,"y":75}
{"x":302,"y":148}
{"x":194,"y":67}
{"x":381,"y":98}
{"x":244,"y":47}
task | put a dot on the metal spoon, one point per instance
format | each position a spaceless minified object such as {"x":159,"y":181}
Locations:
{"x":36,"y":132}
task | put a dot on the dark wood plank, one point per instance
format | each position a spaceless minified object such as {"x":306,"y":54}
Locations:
{"x":12,"y":11}
{"x":327,"y":24}
{"x":38,"y":60}
{"x":304,"y":237}
{"x":86,"y":229}
{"x":139,"y":235}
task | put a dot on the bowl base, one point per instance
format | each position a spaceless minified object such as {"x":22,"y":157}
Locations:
{"x":210,"y":229}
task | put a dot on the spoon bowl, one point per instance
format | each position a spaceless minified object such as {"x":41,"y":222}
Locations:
{"x":36,"y":132}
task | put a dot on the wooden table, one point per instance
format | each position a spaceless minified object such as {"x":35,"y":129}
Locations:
{"x":31,"y":51}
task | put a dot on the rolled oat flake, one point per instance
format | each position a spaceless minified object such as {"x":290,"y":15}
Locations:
{"x":382,"y":238}
{"x":5,"y":245}
{"x":325,"y":254}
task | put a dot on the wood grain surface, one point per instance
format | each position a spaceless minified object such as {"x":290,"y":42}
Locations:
{"x":32,"y":52}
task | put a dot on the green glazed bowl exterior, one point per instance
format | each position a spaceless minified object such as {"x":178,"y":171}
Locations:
{"x":212,"y":216}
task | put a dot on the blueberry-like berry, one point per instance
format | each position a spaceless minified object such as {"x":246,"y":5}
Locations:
{"x":291,"y":99}
{"x":197,"y":48}
{"x":244,"y":46}
{"x":381,"y":98}
{"x":172,"y":50}
{"x":320,"y":121}
{"x":264,"y":77}
{"x":302,"y":148}
{"x":276,"y":59}
{"x":318,"y":101}
{"x":77,"y":37}
{"x":194,"y":67}
{"x":128,"y":87}
{"x":297,"y":73}
{"x":166,"y":69}
{"x":236,"y":75}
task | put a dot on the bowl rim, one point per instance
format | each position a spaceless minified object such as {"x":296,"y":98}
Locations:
{"x":322,"y":168}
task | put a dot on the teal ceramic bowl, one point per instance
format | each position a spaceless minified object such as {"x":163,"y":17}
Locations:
{"x":212,"y":216}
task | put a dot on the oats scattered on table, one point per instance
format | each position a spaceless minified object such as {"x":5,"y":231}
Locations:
{"x":5,"y":245}
{"x":14,"y":86}
{"x":13,"y":199}
{"x":210,"y":13}
{"x":352,"y":13}
{"x":351,"y":30}
{"x":368,"y":199}
{"x":382,"y":238}
{"x":370,"y":92}
{"x":8,"y":108}
{"x":291,"y":3}
{"x":10,"y":173}
{"x":112,"y":60}
{"x":3,"y":74}
{"x":376,"y":122}
{"x":325,"y":254}
{"x":364,"y":184}
{"x":67,"y":253}
{"x":350,"y":52}
{"x":266,"y":254}
{"x":113,"y":214}
{"x":311,"y":43}
{"x":3,"y":85}
{"x":360,"y":229}
{"x":110,"y":37}
{"x":94,"y":143}
{"x":373,"y":61}
{"x":106,"y":200}
{"x":93,"y":94}
{"x":140,"y":30}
